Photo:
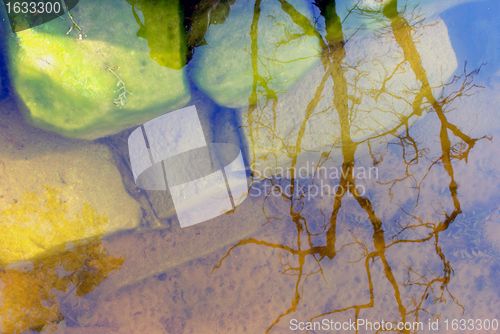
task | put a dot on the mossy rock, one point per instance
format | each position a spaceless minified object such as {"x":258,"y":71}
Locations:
{"x":257,"y":46}
{"x":110,"y":72}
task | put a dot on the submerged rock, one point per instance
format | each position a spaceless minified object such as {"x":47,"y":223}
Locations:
{"x":54,"y":191}
{"x":89,"y":75}
{"x":258,"y":45}
{"x":148,"y":253}
{"x":382,"y":90}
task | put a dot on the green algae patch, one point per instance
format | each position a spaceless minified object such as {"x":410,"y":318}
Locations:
{"x":99,"y":71}
{"x":260,"y":50}
{"x":162,"y":27}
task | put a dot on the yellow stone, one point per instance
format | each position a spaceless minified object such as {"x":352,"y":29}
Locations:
{"x":54,"y":191}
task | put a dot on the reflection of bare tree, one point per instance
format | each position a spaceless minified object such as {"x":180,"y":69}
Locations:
{"x":333,"y":60}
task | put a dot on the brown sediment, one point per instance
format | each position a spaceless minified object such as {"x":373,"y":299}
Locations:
{"x":30,"y":291}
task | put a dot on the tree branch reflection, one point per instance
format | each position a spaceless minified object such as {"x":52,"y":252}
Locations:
{"x":454,"y":145}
